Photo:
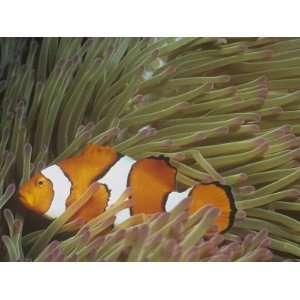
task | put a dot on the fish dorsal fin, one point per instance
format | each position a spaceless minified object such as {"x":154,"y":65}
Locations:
{"x":99,"y":155}
{"x":93,"y":150}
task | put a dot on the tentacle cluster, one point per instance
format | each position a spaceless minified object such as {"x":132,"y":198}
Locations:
{"x":221,"y":109}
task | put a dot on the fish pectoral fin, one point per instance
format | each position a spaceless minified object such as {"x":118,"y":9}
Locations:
{"x":95,"y":205}
{"x":69,"y":201}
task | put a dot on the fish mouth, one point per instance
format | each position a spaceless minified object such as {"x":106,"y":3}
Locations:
{"x":25,"y":199}
{"x":21,"y":197}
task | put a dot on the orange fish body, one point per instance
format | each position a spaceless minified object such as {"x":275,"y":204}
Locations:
{"x":152,"y":181}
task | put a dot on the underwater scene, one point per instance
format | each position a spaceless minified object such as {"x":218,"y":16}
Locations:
{"x":149,"y":149}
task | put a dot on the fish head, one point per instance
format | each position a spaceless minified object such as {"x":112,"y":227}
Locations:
{"x":37,"y":193}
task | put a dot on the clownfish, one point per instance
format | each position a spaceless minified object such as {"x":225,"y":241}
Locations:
{"x":151,"y":180}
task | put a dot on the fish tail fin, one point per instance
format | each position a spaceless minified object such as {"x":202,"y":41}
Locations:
{"x":217,"y":195}
{"x":214,"y":194}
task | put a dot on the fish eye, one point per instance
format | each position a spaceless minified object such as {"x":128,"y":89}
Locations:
{"x":40,"y":182}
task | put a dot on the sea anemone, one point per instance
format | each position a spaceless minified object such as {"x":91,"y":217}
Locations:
{"x":222,"y":109}
{"x":173,"y":236}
